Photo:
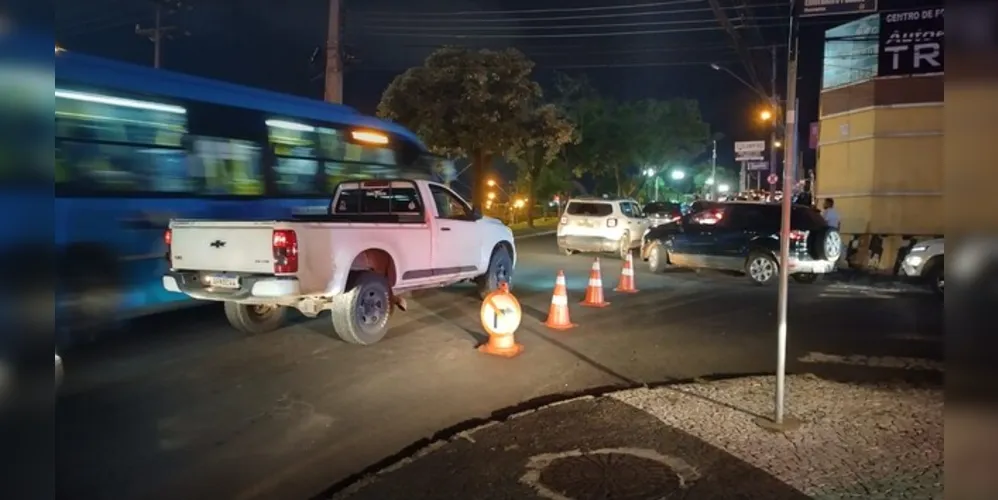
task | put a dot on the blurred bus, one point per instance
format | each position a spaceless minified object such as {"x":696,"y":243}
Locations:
{"x":135,"y":147}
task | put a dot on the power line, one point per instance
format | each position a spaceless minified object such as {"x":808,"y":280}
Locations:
{"x":538,"y":11}
{"x":553,"y":35}
{"x":404,"y":18}
{"x":564,"y":27}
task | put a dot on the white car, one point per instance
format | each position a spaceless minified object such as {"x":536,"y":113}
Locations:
{"x":924,"y":263}
{"x":376,"y":240}
{"x":601,"y":225}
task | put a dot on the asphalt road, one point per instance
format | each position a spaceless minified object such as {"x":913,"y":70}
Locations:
{"x":182,"y":406}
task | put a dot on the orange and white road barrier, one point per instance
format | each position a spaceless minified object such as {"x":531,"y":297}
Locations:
{"x":594,"y":292}
{"x":558,"y":318}
{"x":501,"y":315}
{"x":626,"y":283}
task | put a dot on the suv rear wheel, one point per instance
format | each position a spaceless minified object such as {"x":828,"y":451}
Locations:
{"x":761,"y":268}
{"x":624,"y":246}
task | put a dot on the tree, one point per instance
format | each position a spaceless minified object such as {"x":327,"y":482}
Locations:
{"x":547,"y":132}
{"x":466,"y":103}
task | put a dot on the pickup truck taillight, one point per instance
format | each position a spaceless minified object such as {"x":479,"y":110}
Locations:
{"x":285,"y":245}
{"x":168,"y":239}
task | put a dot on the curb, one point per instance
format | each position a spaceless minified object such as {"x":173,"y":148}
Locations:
{"x":534,"y":235}
{"x":465,"y":430}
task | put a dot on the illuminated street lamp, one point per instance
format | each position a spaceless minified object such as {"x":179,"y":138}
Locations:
{"x":678,"y":175}
{"x":709,"y":181}
{"x":650,"y":172}
{"x":777,"y":144}
{"x":491,"y":196}
{"x":723,"y":188}
{"x":766,"y":115}
{"x":519,"y":203}
{"x":491,"y":182}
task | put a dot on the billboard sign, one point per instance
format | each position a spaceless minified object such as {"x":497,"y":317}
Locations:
{"x":851,"y":52}
{"x":811,"y":8}
{"x":911,"y":42}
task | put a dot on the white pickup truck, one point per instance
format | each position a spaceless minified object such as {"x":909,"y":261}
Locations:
{"x":377,"y":240}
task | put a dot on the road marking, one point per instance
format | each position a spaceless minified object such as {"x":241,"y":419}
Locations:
{"x":874,"y":361}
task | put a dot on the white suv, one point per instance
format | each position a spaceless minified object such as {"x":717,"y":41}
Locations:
{"x":601,"y":225}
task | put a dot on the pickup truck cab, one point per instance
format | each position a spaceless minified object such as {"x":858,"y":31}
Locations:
{"x":376,"y":240}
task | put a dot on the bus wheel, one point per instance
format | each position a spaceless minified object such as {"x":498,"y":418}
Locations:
{"x":253,"y":319}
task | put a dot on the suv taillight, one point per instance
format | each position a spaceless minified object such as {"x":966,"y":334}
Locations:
{"x":168,"y":239}
{"x":611,"y":222}
{"x":564,"y":220}
{"x":285,"y":244}
{"x":798,"y":235}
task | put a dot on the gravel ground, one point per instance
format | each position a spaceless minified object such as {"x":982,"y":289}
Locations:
{"x":874,"y":442}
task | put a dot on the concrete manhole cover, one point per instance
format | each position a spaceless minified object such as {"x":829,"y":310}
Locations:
{"x":608,"y":474}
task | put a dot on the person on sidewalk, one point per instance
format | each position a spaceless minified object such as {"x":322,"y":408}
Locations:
{"x":831,"y":215}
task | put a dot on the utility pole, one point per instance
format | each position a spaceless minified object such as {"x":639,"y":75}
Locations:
{"x":777,"y":113}
{"x":158,"y":33}
{"x":334,"y":62}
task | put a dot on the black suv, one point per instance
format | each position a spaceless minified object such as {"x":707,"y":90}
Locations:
{"x":744,"y":237}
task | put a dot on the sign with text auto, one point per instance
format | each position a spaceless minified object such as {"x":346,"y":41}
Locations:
{"x":911,"y":42}
{"x":809,"y":8}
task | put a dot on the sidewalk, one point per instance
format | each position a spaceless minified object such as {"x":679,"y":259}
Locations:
{"x":693,"y":441}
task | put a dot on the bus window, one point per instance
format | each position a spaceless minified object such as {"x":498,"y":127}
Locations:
{"x":225,"y":166}
{"x":296,"y":175}
{"x":107,"y":143}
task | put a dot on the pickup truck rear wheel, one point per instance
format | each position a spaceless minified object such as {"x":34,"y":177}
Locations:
{"x":253,"y":319}
{"x":500,"y":270}
{"x":360,"y":315}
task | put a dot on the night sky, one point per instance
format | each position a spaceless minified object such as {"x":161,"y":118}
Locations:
{"x":269,"y":43}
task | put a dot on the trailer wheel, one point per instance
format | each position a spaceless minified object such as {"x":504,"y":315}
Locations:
{"x":360,"y":315}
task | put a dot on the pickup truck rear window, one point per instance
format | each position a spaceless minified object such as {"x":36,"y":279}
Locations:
{"x":589,"y":209}
{"x":386,"y":200}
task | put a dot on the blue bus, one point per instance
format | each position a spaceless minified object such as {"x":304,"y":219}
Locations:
{"x":135,"y":147}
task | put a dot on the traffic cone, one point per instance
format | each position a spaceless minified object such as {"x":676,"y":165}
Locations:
{"x":558,"y":312}
{"x":594,"y":292}
{"x":501,"y":343}
{"x":626,"y":283}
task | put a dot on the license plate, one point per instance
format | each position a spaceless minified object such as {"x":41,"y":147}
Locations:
{"x":221,"y":281}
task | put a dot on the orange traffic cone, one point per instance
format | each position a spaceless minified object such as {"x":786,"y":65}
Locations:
{"x":501,"y":314}
{"x":626,"y":283}
{"x":594,"y":292}
{"x":558,"y":312}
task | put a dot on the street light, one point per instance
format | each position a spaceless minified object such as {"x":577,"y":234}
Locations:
{"x":766,"y":115}
{"x":777,"y":144}
{"x":709,"y":181}
{"x":678,"y":175}
{"x":723,"y":188}
{"x":491,"y":182}
{"x":519,"y":203}
{"x":491,"y":195}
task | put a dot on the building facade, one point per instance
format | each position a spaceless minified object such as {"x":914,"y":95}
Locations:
{"x":880,"y":137}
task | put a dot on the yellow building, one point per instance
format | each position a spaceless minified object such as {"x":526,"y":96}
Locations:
{"x":880,"y":142}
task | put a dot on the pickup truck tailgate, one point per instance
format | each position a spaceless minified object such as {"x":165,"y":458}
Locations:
{"x":222,"y":246}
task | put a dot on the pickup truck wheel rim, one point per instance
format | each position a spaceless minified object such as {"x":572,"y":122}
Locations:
{"x":761,"y":269}
{"x":262,"y":310}
{"x":372,"y":308}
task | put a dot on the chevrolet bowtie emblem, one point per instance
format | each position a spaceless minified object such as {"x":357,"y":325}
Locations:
{"x":218,"y":244}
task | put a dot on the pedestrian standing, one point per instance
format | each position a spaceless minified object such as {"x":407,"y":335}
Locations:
{"x":831,"y":215}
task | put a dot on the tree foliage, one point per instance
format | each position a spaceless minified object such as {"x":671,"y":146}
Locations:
{"x":469,"y":103}
{"x":620,"y":140}
{"x":537,"y":153}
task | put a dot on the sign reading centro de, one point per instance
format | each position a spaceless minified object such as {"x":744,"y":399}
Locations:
{"x":911,"y":42}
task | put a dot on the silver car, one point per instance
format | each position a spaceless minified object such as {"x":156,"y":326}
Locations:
{"x":924,"y":263}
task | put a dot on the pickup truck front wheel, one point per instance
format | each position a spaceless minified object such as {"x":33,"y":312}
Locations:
{"x":360,"y":315}
{"x":500,"y":270}
{"x":255,"y":319}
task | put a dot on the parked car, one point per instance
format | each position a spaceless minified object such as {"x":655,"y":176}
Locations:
{"x":744,"y":237}
{"x":924,"y":264}
{"x":601,"y":225}
{"x":377,"y":240}
{"x":662,"y":212}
